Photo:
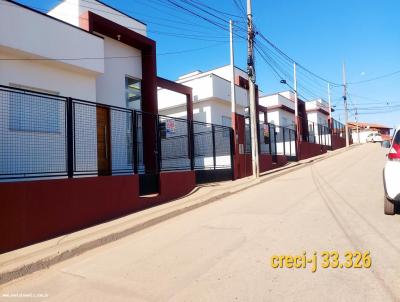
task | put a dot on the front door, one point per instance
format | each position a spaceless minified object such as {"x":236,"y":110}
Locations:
{"x":103,"y":141}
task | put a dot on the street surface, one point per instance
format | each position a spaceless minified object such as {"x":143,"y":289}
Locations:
{"x":222,"y":252}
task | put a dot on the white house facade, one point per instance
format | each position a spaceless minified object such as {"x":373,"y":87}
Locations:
{"x":41,"y":53}
{"x":58,"y":54}
{"x":280,"y":108}
{"x":211,"y":96}
{"x":318,"y":112}
{"x":318,"y":115}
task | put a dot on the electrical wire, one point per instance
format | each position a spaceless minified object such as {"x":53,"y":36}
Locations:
{"x":110,"y":57}
{"x":376,"y":78}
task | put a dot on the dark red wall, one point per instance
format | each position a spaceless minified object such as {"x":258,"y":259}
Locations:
{"x":308,"y":150}
{"x":338,"y":142}
{"x":265,"y":162}
{"x":281,"y":160}
{"x":242,"y":162}
{"x":34,"y":211}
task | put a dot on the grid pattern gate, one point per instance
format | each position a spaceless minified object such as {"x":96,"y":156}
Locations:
{"x":212,"y":146}
{"x":32,"y":134}
{"x":85,"y":138}
{"x":45,"y":135}
{"x":276,"y":140}
{"x":318,"y":134}
{"x":174,"y":134}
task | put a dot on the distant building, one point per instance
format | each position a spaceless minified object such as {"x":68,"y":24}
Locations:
{"x":211,"y":96}
{"x":318,"y":112}
{"x":367,"y":128}
{"x":280,"y":108}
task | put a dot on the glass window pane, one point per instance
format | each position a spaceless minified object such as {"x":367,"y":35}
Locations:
{"x":133,"y":93}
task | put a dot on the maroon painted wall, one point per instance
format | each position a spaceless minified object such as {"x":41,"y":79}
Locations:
{"x":308,"y":150}
{"x":338,"y":142}
{"x":265,"y":162}
{"x":34,"y":211}
{"x":242,"y":162}
{"x":281,"y":160}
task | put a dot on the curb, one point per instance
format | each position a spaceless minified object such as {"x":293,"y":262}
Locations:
{"x":122,"y":227}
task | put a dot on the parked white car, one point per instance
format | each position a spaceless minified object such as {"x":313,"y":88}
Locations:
{"x":374,"y":137}
{"x":391,"y":176}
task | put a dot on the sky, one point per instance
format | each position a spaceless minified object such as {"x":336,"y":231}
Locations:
{"x":319,"y":35}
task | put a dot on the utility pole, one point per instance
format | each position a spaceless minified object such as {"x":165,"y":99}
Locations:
{"x":329,"y":102}
{"x":358,"y":129}
{"x":330,"y":109}
{"x":346,"y":114}
{"x":233,"y":94}
{"x":252,"y":91}
{"x":296,"y":106}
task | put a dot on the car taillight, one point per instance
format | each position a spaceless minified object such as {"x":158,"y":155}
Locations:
{"x":394,"y":153}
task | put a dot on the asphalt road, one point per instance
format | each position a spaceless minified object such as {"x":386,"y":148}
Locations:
{"x":222,"y":252}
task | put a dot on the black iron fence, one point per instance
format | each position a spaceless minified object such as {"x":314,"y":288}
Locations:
{"x":337,"y":128}
{"x":213,"y":148}
{"x":317,"y":134}
{"x":33,"y":134}
{"x":277,"y":140}
{"x":44,"y":135}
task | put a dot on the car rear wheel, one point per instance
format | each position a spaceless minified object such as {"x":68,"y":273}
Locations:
{"x":388,"y":206}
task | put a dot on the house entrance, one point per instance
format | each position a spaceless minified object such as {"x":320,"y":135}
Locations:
{"x":103,"y":141}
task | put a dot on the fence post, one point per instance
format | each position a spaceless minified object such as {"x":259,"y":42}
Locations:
{"x":320,"y":134}
{"x":232,"y":149}
{"x":296,"y":146}
{"x":270,"y":138}
{"x":284,"y":142}
{"x":313,"y":127}
{"x":290,"y":143}
{"x":134,"y":142}
{"x":213,"y":143}
{"x":191,"y":143}
{"x":158,"y":143}
{"x":70,"y":137}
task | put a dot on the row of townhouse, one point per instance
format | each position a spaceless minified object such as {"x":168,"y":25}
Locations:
{"x":212,"y":104}
{"x":212,"y":100}
{"x":89,"y":132}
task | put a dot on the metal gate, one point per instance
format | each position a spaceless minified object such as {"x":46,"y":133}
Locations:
{"x":146,"y":152}
{"x":213,"y":152}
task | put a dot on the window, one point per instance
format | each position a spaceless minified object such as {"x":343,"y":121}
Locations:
{"x":284,"y":122}
{"x":34,"y":113}
{"x":133,"y":93}
{"x":226,"y":121}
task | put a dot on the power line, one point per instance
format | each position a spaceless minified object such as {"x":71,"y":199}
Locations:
{"x":376,"y":78}
{"x":110,"y":57}
{"x":284,"y":74}
{"x":293,"y":61}
{"x":239,"y":5}
{"x":204,"y":37}
{"x":216,"y":10}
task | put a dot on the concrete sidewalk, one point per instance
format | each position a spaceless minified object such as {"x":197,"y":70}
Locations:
{"x":39,"y":256}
